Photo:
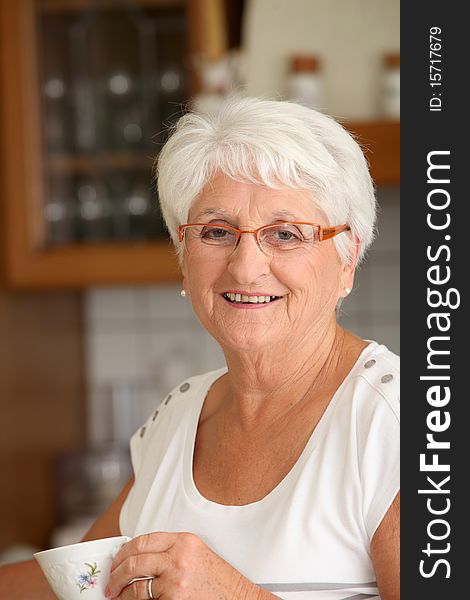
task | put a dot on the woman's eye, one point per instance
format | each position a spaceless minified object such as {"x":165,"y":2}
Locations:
{"x":214,"y":233}
{"x":285,"y":235}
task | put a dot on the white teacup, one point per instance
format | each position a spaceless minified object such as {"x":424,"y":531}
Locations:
{"x":80,"y":571}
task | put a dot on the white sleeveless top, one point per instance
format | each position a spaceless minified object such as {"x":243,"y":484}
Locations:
{"x":309,"y":538}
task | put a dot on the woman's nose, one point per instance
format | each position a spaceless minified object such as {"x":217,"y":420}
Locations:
{"x":247,"y":262}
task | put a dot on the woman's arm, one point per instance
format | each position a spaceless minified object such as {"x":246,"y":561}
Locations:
{"x":385,"y":551}
{"x":25,"y":580}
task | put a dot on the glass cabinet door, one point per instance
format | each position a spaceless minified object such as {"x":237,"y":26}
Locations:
{"x":112,"y":78}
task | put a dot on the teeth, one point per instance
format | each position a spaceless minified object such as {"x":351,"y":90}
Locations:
{"x":250,"y":299}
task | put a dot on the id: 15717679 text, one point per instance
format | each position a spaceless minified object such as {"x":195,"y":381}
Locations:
{"x":435,"y":69}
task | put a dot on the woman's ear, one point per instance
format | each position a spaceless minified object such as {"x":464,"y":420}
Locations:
{"x":183,"y":267}
{"x":349,"y":268}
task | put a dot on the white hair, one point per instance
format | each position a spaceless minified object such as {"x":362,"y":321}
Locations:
{"x":275,"y":143}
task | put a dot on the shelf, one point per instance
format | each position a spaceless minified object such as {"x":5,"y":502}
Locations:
{"x":98,"y":264}
{"x":75,"y":163}
{"x":380,"y":141}
{"x":52,"y":6}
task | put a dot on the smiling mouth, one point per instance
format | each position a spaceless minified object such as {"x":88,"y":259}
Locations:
{"x":241,"y":299}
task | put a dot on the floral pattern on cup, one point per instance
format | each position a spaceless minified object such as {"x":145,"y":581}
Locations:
{"x":89,"y":578}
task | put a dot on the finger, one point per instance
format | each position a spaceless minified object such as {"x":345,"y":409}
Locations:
{"x":140,"y":565}
{"x":143,"y":544}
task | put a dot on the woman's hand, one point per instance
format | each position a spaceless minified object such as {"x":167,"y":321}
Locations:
{"x":183,"y":567}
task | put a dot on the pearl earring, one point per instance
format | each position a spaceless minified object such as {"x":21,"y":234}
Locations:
{"x":183,"y":293}
{"x":347,"y":291}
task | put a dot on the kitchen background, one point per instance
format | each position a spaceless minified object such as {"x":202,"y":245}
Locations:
{"x":93,"y":330}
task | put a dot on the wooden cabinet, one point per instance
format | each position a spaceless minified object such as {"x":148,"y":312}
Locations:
{"x":36,"y":160}
{"x":49,"y":139}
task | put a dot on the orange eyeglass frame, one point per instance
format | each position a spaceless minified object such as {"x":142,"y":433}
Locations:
{"x":324,"y":233}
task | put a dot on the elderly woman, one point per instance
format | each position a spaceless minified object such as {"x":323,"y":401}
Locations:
{"x":278,"y":475}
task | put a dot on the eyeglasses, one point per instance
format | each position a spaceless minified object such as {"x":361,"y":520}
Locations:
{"x":273,"y":240}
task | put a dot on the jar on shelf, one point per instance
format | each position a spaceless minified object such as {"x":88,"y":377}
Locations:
{"x":94,"y":211}
{"x":390,"y":96}
{"x":124,"y":115}
{"x":304,"y":80}
{"x":59,"y":212}
{"x":57,"y":115}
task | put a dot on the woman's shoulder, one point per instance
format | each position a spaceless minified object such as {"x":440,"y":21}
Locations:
{"x":377,"y":379}
{"x":379,"y":355}
{"x":193,"y":387}
{"x":180,"y":404}
{"x":187,"y":393}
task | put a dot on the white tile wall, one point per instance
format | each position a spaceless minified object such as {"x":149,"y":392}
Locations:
{"x":147,"y":340}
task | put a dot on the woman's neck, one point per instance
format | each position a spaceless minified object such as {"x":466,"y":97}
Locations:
{"x":267,"y":384}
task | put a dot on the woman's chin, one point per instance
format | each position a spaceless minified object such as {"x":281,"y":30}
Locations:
{"x":254,"y":339}
{"x":241,"y":330}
